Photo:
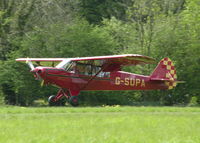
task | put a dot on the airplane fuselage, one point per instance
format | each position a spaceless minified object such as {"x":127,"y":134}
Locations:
{"x":118,"y":80}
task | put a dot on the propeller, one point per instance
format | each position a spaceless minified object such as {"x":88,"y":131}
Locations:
{"x":30,"y":64}
{"x":39,"y":78}
{"x":42,"y":83}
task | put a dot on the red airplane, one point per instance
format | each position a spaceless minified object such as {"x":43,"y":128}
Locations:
{"x":73,"y":75}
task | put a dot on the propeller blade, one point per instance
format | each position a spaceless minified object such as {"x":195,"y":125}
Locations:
{"x":38,"y":76}
{"x":30,"y":64}
{"x":180,"y":81}
{"x":42,"y":83}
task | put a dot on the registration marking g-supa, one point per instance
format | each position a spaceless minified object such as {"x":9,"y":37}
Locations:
{"x":134,"y":82}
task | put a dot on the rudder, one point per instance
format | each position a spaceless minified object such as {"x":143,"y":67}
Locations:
{"x":165,"y":71}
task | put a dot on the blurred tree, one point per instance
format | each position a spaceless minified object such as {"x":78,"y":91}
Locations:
{"x":79,"y":39}
{"x":95,"y":10}
{"x":6,"y":13}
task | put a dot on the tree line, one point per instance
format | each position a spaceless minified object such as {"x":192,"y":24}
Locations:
{"x":78,"y":28}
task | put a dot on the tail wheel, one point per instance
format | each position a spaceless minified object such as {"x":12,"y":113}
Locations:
{"x":52,"y":101}
{"x":74,"y":101}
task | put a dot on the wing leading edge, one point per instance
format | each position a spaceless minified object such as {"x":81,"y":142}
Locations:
{"x":42,"y":61}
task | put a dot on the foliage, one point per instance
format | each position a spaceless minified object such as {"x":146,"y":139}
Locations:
{"x":193,"y":101}
{"x":79,"y":39}
{"x":95,"y":11}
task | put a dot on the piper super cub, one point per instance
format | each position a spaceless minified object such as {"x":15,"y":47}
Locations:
{"x":73,"y":75}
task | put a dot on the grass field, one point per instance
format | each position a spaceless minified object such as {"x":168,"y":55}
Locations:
{"x":100,"y":125}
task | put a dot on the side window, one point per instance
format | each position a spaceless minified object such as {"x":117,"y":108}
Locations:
{"x":80,"y":69}
{"x":101,"y":74}
{"x":88,"y":68}
{"x":104,"y":74}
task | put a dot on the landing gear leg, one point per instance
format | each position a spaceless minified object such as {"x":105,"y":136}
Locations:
{"x":58,"y":99}
{"x":71,"y":95}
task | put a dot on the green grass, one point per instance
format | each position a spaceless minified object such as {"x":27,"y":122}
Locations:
{"x":100,"y":125}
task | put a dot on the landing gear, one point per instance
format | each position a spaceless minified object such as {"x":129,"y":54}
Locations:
{"x":52,"y":101}
{"x":74,"y":101}
{"x":58,"y":100}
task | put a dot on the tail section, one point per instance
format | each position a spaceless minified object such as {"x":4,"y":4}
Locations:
{"x":165,"y":71}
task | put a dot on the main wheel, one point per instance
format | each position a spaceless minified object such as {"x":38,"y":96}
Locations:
{"x":52,"y":101}
{"x":74,"y":101}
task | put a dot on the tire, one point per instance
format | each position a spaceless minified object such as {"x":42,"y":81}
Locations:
{"x":51,"y":101}
{"x":74,"y":101}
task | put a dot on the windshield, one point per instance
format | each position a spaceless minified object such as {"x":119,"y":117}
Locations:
{"x":64,"y":63}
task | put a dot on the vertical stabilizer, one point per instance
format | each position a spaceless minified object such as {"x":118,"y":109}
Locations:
{"x":165,"y":71}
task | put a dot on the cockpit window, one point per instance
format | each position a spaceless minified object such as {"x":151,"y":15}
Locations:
{"x":89,"y":68}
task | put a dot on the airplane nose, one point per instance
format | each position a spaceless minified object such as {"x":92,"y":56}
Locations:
{"x":38,"y":72}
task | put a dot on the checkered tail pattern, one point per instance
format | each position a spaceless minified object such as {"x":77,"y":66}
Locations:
{"x":170,"y":73}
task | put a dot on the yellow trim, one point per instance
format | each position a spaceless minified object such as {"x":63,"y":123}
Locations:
{"x":169,"y":67}
{"x":174,"y":84}
{"x":172,"y":71}
{"x":165,"y":62}
{"x":168,"y":75}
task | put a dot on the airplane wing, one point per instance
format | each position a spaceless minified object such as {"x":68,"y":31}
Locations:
{"x":109,"y":63}
{"x":43,"y":61}
{"x":115,"y":62}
